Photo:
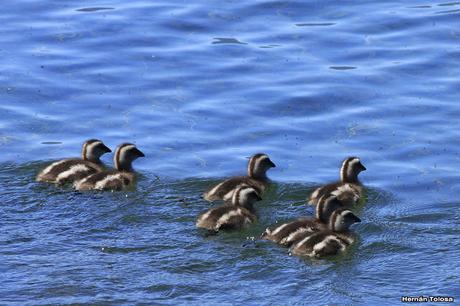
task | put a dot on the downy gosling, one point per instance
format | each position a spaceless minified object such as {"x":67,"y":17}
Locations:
{"x":118,"y":179}
{"x":235,"y":215}
{"x":332,"y":241}
{"x":73,"y":169}
{"x":258,"y":166}
{"x":288,"y":233}
{"x":349,"y":189}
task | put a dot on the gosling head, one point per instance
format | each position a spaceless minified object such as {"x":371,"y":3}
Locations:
{"x":244,"y":195}
{"x":351,"y":167}
{"x":342,"y":219}
{"x":125,"y":154}
{"x":258,"y":165}
{"x":326,"y":206}
{"x":93,"y":149}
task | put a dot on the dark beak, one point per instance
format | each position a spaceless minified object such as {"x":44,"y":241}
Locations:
{"x":363,"y":168}
{"x":271,"y":164}
{"x":357,"y":220}
{"x":105,"y":149}
{"x":138,"y":152}
{"x":258,"y":197}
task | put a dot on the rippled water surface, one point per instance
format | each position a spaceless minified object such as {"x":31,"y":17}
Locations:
{"x":200,"y":86}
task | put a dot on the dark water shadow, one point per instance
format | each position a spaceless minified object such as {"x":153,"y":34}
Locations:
{"x":420,"y":6}
{"x":342,"y":67}
{"x":449,"y":12}
{"x":315,"y":24}
{"x":449,"y":4}
{"x":94,"y":9}
{"x":224,"y":40}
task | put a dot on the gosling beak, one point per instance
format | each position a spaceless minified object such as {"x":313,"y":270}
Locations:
{"x":271,"y":164}
{"x":357,"y":220}
{"x":259,"y":198}
{"x":363,"y":168}
{"x":138,"y":152}
{"x":105,"y":149}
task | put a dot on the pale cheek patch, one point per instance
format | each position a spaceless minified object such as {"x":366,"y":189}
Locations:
{"x":122,"y":154}
{"x":91,"y":148}
{"x":256,"y":169}
{"x":259,"y":161}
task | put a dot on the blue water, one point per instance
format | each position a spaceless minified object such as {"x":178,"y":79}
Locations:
{"x":199,"y":87}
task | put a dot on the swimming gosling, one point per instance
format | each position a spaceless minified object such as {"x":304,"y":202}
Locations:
{"x":236,"y":215}
{"x":289,"y":233}
{"x":332,"y":241}
{"x":349,"y":189}
{"x":258,"y":166}
{"x":73,"y":169}
{"x":118,"y":179}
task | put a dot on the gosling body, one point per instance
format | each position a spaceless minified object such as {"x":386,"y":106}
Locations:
{"x":332,"y":241}
{"x":348,"y":190}
{"x":72,"y":169}
{"x":257,"y":178}
{"x":115,"y":180}
{"x":323,"y":244}
{"x":289,"y":233}
{"x":236,"y":215}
